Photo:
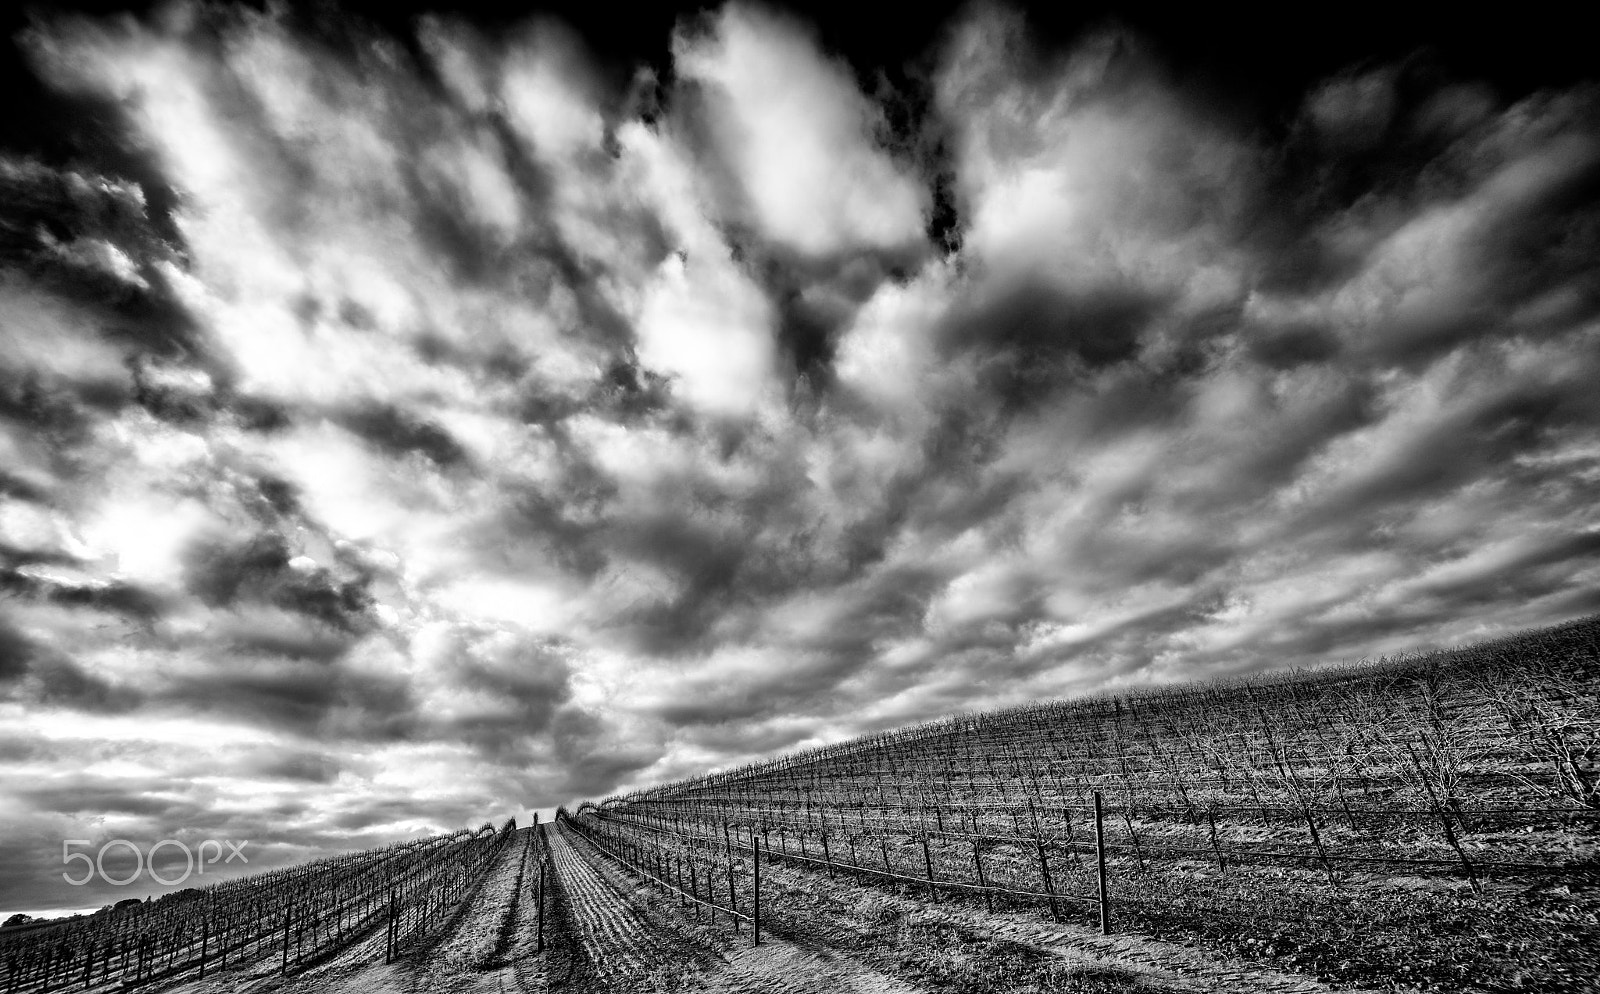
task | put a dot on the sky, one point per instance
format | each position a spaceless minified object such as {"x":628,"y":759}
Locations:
{"x":417,"y":420}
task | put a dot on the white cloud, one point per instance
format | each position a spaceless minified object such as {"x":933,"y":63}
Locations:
{"x":550,"y":96}
{"x":800,"y":137}
{"x":705,"y":323}
{"x":1086,"y":175}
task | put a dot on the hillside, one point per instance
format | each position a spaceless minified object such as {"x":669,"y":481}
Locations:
{"x":1428,"y":818}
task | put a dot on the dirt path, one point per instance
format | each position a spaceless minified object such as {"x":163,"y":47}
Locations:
{"x":480,"y":953}
{"x":519,"y":955}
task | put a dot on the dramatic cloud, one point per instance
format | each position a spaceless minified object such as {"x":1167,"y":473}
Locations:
{"x":804,"y":147}
{"x":395,"y":436}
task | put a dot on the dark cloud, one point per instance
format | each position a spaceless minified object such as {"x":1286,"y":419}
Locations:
{"x":630,"y":392}
{"x":125,"y":599}
{"x":222,"y":571}
{"x":279,"y":493}
{"x":562,"y":526}
{"x":399,"y":432}
{"x":594,"y":760}
{"x":90,"y":795}
{"x":303,"y":695}
{"x":22,"y":489}
{"x":39,"y":675}
{"x":513,"y":687}
{"x":16,"y":651}
{"x":90,"y":239}
{"x":315,"y":645}
{"x":301,"y":767}
{"x":259,"y":414}
{"x":1290,"y":345}
{"x":1040,"y":321}
{"x":61,"y":412}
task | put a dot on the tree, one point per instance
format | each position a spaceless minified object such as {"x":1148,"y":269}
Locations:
{"x":17,"y":919}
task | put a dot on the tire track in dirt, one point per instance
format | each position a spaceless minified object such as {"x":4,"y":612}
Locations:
{"x":620,"y":949}
{"x":1178,"y":966}
{"x":468,"y":958}
{"x":781,"y":967}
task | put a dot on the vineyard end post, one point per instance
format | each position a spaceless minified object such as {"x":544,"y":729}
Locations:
{"x":755,"y":903}
{"x":1044,"y":862}
{"x":540,"y":946}
{"x":1100,"y":865}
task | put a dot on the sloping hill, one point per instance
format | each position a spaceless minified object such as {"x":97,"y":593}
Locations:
{"x":1431,"y":817}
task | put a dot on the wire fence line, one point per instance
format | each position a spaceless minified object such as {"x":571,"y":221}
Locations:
{"x":685,"y":873}
{"x":754,"y":838}
{"x":638,"y":859}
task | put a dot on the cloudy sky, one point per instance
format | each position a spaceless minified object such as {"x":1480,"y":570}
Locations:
{"x":409,"y":424}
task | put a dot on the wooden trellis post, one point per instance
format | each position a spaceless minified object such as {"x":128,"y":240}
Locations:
{"x":1100,"y":865}
{"x":1211,"y":820}
{"x":1044,"y":862}
{"x":390,"y":934}
{"x":539,"y":947}
{"x":977,"y":861}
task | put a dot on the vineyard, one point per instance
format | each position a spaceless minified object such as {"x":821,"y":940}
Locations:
{"x":1426,"y":823}
{"x":291,"y":917}
{"x":1289,"y":811}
